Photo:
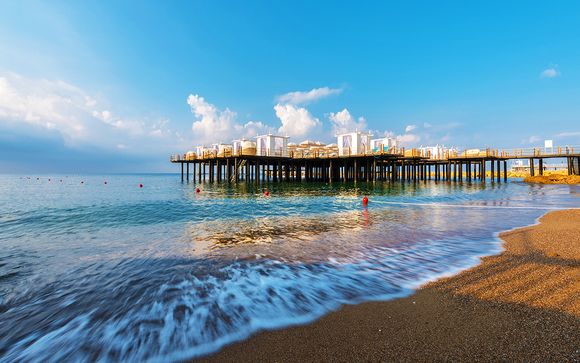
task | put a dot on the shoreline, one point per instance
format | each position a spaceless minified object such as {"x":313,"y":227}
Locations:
{"x":516,"y":305}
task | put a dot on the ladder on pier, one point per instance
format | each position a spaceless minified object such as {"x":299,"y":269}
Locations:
{"x":237,"y":171}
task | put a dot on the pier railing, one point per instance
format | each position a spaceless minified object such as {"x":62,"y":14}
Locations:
{"x":323,"y":153}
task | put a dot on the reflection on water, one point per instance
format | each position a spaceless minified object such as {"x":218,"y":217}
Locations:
{"x":114,"y":272}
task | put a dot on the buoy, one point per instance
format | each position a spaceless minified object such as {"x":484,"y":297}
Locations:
{"x":82,"y":182}
{"x":48,"y":179}
{"x":365,"y":200}
{"x":266,"y":193}
{"x":105,"y":183}
{"x":140,"y":185}
{"x":197,"y":190}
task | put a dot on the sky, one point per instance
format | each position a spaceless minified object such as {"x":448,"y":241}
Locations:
{"x":118,"y":86}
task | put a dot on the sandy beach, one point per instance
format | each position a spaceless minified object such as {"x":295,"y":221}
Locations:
{"x":521,"y":305}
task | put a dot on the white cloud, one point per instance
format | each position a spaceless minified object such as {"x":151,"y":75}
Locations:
{"x":410,"y":128}
{"x":533,"y":139}
{"x":409,"y":139}
{"x":551,"y":72}
{"x":568,"y":134}
{"x":73,"y":113}
{"x":253,"y":128}
{"x":302,"y":97}
{"x":215,"y":125}
{"x":296,"y":121}
{"x":343,"y":121}
{"x":212,"y":124}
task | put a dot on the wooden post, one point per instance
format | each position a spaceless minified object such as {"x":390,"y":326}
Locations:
{"x":498,"y":171}
{"x":181,"y":172}
{"x":541,"y":166}
{"x":532,"y":172}
{"x":505,"y":172}
{"x":236,"y":169}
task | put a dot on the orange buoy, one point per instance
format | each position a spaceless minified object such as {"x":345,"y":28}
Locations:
{"x":365,"y":200}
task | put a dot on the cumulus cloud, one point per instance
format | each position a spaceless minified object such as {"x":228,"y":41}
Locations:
{"x":410,"y":128}
{"x":215,"y":125}
{"x":303,"y":97}
{"x":551,"y":72}
{"x":409,"y":139}
{"x":211,"y":123}
{"x":61,"y":107}
{"x":296,"y":121}
{"x":343,"y":121}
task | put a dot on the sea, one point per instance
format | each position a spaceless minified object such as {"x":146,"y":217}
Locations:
{"x":144,"y":267}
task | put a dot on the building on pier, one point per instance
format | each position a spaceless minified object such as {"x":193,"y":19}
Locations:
{"x":384,"y":145}
{"x":272,"y":145}
{"x":354,"y":143}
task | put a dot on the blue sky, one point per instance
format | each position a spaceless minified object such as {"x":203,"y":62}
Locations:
{"x":112,"y":86}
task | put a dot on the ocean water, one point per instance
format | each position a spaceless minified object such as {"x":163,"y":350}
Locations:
{"x":114,"y":272}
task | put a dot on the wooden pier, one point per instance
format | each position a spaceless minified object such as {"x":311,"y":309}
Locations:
{"x":394,"y":166}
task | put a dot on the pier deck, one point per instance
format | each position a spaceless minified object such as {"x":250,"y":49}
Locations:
{"x":368,"y":167}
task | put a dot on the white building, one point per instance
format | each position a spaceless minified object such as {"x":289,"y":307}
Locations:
{"x":237,"y":146}
{"x":435,"y":152}
{"x":354,"y":143}
{"x":272,"y":145}
{"x":385,"y":144}
{"x":224,"y":150}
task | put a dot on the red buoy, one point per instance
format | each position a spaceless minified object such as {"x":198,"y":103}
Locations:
{"x":197,"y":190}
{"x":140,"y":185}
{"x":266,"y":193}
{"x":365,"y":200}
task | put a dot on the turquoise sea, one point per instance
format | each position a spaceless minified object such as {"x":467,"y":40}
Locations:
{"x":97,"y":268}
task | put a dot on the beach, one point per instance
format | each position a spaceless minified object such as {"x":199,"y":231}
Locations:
{"x":521,"y":305}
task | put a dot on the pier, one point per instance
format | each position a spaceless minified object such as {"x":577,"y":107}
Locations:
{"x":394,"y":165}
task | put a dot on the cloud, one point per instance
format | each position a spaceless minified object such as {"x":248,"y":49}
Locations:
{"x":534,"y":139}
{"x":58,"y":106}
{"x":425,"y":133}
{"x":343,"y":121}
{"x":215,"y":125}
{"x":212,"y":124}
{"x":303,"y":97}
{"x":568,"y":134}
{"x":551,"y":72}
{"x":296,"y":121}
{"x":409,"y":139}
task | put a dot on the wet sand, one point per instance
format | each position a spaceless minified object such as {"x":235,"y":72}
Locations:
{"x":521,"y":305}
